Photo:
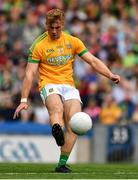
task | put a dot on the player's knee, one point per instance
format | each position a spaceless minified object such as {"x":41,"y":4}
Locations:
{"x":55,"y":110}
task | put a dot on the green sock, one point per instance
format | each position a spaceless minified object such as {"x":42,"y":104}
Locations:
{"x":63,"y":159}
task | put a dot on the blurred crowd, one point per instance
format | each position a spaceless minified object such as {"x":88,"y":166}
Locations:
{"x":109,"y":29}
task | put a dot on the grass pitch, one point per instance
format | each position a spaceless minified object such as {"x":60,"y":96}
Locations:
{"x":80,"y":171}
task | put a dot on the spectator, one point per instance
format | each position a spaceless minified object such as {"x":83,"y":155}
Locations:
{"x":110,"y":111}
{"x":92,"y":109}
{"x":135,"y":115}
{"x":15,"y":25}
{"x":41,"y":114}
{"x":31,"y":29}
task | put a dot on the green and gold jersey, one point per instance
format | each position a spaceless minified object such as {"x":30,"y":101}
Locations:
{"x":55,"y":58}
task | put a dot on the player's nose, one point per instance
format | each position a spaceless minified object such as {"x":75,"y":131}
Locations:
{"x":54,"y":31}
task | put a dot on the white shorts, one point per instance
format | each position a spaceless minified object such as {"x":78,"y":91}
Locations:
{"x":65,"y":91}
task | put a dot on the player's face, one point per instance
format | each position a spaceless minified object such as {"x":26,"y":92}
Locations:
{"x":54,"y":29}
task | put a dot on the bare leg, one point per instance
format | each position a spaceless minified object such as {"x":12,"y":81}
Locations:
{"x":55,"y":109}
{"x":70,"y":107}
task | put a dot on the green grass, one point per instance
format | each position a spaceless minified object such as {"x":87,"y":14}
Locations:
{"x":80,"y":171}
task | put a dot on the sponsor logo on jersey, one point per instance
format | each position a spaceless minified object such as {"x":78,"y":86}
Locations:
{"x":59,"y":60}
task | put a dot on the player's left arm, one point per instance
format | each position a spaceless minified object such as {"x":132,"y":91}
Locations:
{"x":100,"y":67}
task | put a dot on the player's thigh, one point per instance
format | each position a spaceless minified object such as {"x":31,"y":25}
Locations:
{"x":54,"y":104}
{"x":71,"y":107}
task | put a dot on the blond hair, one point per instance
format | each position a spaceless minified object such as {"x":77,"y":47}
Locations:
{"x":53,"y":15}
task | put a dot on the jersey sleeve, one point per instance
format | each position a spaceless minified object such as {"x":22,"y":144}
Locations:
{"x":34,"y":54}
{"x":79,"y":47}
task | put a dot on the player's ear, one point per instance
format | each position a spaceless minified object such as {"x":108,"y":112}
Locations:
{"x":46,"y":26}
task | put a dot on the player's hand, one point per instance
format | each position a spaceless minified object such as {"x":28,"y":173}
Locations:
{"x":115,"y":78}
{"x":19,"y":108}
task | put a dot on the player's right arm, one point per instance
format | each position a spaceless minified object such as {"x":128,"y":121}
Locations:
{"x":30,"y":72}
{"x":94,"y":62}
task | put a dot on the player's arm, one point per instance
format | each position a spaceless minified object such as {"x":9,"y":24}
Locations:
{"x":30,"y":72}
{"x":100,"y":67}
